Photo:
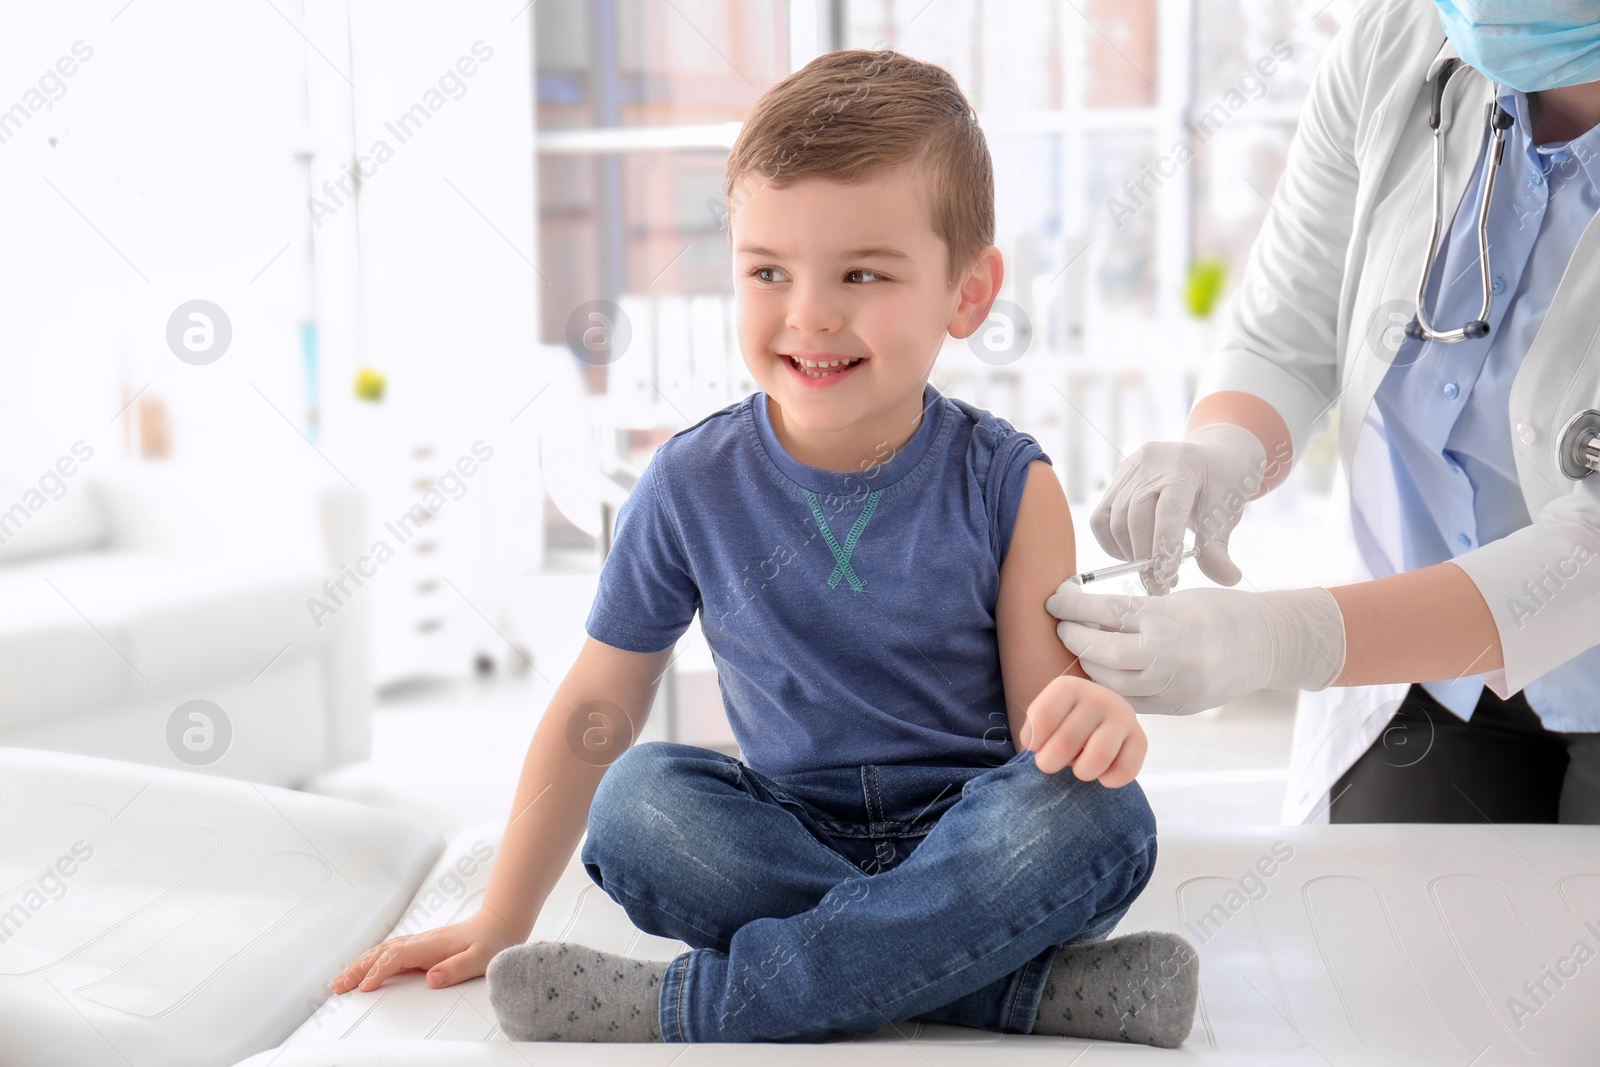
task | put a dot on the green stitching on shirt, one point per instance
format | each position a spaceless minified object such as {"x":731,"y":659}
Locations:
{"x":842,"y":568}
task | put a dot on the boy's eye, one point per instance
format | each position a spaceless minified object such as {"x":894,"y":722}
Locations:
{"x":772,"y":275}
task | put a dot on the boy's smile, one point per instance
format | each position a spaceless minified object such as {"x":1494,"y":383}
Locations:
{"x":821,"y":367}
{"x":843,"y":301}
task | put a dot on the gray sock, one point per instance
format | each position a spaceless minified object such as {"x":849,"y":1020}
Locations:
{"x":1141,"y":987}
{"x":555,"y":991}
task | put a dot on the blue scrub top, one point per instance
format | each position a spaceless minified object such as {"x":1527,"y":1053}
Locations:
{"x":1446,"y":406}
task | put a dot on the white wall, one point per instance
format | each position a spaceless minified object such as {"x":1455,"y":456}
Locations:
{"x":170,"y":178}
{"x":448,"y":284}
{"x":165,"y":169}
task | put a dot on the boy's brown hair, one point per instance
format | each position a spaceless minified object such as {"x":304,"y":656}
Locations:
{"x":852,"y":112}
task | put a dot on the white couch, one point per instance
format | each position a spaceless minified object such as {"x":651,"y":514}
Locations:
{"x":148,"y":585}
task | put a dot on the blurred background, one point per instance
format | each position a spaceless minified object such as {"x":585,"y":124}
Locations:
{"x":303,"y":478}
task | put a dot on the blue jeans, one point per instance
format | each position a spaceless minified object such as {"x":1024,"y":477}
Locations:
{"x":841,"y":901}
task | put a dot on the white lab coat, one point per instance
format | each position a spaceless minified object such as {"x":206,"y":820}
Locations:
{"x":1343,"y":246}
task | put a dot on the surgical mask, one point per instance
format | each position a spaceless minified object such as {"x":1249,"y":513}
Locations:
{"x":1530,"y":46}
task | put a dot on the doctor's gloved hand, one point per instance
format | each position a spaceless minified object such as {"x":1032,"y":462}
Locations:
{"x":1200,"y":648}
{"x":1167,"y":487}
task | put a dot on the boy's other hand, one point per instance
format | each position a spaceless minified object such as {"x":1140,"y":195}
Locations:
{"x":450,"y":954}
{"x":1076,"y":723}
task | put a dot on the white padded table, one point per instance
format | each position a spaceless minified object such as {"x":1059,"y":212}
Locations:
{"x":1365,"y":944}
{"x":154,"y":917}
{"x":158,"y":918}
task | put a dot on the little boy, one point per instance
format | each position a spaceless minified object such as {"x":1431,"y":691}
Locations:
{"x":870,"y":561}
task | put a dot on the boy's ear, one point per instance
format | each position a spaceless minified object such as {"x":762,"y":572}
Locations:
{"x":978,"y":291}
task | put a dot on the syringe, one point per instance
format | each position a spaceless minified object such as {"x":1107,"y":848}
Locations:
{"x":1123,"y":568}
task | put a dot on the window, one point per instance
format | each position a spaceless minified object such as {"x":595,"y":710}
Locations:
{"x":1100,"y":214}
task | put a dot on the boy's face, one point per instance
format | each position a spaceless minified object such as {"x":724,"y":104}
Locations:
{"x":826,"y":271}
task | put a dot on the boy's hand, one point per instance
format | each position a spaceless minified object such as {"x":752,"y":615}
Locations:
{"x":450,"y":954}
{"x":1075,"y":722}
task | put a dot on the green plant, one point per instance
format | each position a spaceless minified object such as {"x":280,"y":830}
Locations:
{"x":1203,"y":285}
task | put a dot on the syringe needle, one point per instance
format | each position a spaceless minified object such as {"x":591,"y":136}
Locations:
{"x":1123,"y":568}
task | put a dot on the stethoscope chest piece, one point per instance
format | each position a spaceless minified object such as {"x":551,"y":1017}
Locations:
{"x":1578,"y":448}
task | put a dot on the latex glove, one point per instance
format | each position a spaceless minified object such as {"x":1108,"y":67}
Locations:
{"x":1167,"y":487}
{"x":1200,"y":648}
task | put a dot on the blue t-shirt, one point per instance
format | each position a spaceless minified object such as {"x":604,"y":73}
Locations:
{"x":850,"y":616}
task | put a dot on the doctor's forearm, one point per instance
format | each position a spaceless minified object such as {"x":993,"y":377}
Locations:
{"x":1421,"y":626}
{"x":1254,"y":414}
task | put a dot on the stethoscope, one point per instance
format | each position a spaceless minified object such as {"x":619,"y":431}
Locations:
{"x":1578,"y":446}
{"x":1499,"y":120}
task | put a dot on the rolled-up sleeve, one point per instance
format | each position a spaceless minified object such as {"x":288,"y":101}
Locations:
{"x":1542,"y":585}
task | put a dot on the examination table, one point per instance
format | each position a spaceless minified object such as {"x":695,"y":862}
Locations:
{"x":155,"y":918}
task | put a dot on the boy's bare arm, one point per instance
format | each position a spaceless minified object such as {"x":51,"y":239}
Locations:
{"x":1051,"y":705}
{"x":599,"y":708}
{"x":1043,"y":554}
{"x":571,"y":748}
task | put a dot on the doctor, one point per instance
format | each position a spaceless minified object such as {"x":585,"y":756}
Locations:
{"x":1461,"y":683}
